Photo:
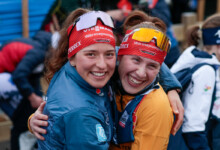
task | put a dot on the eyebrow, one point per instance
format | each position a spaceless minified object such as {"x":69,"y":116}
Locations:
{"x":111,"y":50}
{"x":89,"y":50}
{"x":92,"y":50}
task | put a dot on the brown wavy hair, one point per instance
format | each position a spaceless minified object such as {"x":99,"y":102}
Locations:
{"x":58,"y":57}
{"x":139,"y":19}
{"x":193,"y":35}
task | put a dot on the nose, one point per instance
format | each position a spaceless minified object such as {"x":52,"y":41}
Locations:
{"x":101,"y":62}
{"x":141,"y":72}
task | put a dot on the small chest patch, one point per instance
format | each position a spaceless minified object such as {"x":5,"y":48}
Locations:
{"x":123,"y":119}
{"x":100,"y":132}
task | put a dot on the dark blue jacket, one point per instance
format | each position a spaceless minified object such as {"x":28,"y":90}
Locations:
{"x":27,"y":74}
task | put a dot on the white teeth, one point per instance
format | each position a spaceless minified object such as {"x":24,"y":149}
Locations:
{"x":134,"y":80}
{"x":98,"y":74}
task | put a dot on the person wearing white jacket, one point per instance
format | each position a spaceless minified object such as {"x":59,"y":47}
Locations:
{"x":197,"y":98}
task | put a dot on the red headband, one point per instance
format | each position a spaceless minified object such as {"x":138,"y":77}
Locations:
{"x":149,"y":50}
{"x":83,"y":38}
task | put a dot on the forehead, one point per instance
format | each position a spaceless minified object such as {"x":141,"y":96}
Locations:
{"x":98,"y":46}
{"x":144,"y":59}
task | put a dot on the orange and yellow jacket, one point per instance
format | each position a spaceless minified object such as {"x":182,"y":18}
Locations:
{"x":154,"y":119}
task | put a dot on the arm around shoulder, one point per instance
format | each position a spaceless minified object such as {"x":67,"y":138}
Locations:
{"x":167,"y":80}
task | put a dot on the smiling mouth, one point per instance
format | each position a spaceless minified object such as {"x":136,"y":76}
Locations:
{"x":98,"y":74}
{"x":133,"y":81}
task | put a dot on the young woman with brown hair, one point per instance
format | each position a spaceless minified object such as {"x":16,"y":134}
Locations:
{"x":143,"y":116}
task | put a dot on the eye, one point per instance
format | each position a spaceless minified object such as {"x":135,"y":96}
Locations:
{"x":136,"y":59}
{"x":153,"y":66}
{"x":110,"y":54}
{"x":90,"y":54}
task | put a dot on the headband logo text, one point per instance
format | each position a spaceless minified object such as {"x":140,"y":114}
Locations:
{"x":148,"y":52}
{"x":102,"y":40}
{"x":124,"y":46}
{"x":74,"y":46}
{"x":147,"y":45}
{"x":97,"y":28}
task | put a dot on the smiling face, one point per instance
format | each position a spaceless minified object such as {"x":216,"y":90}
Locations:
{"x":95,"y":63}
{"x":136,"y":72}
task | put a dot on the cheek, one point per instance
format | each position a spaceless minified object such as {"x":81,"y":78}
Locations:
{"x":153,"y":73}
{"x":83,"y":64}
{"x":112,"y":63}
{"x":123,"y":69}
{"x":156,"y":71}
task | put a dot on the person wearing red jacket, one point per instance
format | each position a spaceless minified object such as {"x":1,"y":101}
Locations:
{"x":21,"y":66}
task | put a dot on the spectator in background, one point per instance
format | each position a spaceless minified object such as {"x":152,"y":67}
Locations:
{"x":21,"y":68}
{"x":201,"y":127}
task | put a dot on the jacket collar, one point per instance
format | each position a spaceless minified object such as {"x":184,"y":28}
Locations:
{"x":193,"y":56}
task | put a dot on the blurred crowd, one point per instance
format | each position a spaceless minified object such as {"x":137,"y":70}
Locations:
{"x":22,"y":68}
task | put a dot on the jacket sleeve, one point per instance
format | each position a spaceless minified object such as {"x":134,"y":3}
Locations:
{"x":83,"y":129}
{"x":25,"y":68}
{"x":199,"y":94}
{"x":167,"y":80}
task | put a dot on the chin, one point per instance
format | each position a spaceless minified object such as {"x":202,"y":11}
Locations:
{"x":98,"y":86}
{"x":130,"y":91}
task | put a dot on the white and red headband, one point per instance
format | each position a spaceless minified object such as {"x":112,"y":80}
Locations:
{"x":90,"y":28}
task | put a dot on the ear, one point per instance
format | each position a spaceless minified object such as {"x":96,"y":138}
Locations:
{"x":72,"y":61}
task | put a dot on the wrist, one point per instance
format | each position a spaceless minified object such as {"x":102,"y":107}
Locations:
{"x":28,"y":123}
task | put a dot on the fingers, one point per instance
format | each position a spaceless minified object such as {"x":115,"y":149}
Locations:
{"x":174,"y":127}
{"x":174,"y":107}
{"x":41,"y":107}
{"x":40,"y":116}
{"x":174,"y":99}
{"x":181,"y":114}
{"x":40,"y":137}
{"x":178,"y":110}
{"x":39,"y":130}
{"x":38,"y":123}
{"x":178,"y":118}
{"x":39,"y":112}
